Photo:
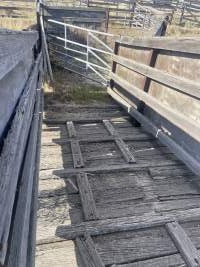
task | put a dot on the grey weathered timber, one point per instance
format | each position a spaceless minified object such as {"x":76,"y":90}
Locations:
{"x":124,"y":167}
{"x":131,"y":223}
{"x":178,"y":119}
{"x":182,"y":154}
{"x":183,"y":85}
{"x":189,"y":45}
{"x":119,"y":142}
{"x":88,"y":252}
{"x":93,"y":252}
{"x":15,"y":66}
{"x":12,"y":155}
{"x":34,"y":201}
{"x":71,"y":129}
{"x":125,"y":150}
{"x":184,"y":244}
{"x":76,"y":153}
{"x":87,"y":199}
{"x":91,"y":139}
{"x":110,"y":128}
{"x":45,"y":49}
{"x":21,"y":222}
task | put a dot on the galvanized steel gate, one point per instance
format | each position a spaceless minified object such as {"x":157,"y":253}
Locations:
{"x":84,"y":51}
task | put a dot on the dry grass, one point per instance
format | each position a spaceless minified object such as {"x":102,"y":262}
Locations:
{"x":22,"y":18}
{"x":16,"y":24}
{"x":69,"y":87}
{"x":181,"y":31}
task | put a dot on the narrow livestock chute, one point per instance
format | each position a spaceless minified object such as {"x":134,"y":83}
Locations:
{"x":100,"y":138}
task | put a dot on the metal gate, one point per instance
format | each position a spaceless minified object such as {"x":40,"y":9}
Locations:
{"x":84,"y":51}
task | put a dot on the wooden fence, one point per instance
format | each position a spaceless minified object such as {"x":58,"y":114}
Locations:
{"x":157,"y":80}
{"x":21,"y":71}
{"x":20,"y":9}
{"x":95,"y":18}
{"x":190,"y":12}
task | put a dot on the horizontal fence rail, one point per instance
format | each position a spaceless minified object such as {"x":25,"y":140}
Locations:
{"x":158,"y":96}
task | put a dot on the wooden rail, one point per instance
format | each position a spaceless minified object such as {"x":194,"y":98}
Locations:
{"x":171,"y":99}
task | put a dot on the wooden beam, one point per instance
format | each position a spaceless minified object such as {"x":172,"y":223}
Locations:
{"x":189,"y":45}
{"x":183,"y":243}
{"x":88,"y":252}
{"x":71,"y":129}
{"x":109,"y":127}
{"x":179,"y":120}
{"x":87,"y":199}
{"x":120,"y":143}
{"x":19,"y":238}
{"x":125,"y":150}
{"x":76,"y":154}
{"x":132,"y":223}
{"x":182,"y":85}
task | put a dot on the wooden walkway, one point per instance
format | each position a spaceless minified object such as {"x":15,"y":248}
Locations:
{"x":112,"y":195}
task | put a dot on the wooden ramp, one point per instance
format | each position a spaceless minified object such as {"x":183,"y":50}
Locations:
{"x":112,"y":195}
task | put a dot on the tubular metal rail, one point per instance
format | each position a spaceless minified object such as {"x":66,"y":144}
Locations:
{"x":82,"y":50}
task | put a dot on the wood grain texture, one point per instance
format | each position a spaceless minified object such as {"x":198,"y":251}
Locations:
{"x":184,"y":244}
{"x":12,"y":154}
{"x":178,"y":119}
{"x":185,"y":86}
{"x":185,"y":45}
{"x":87,"y":199}
{"x":76,"y":153}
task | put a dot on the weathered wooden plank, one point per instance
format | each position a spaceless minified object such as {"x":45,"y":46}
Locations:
{"x":87,"y":199}
{"x":125,"y":150}
{"x":19,"y":238}
{"x":77,"y":155}
{"x":184,"y":244}
{"x":84,"y":252}
{"x":119,"y":142}
{"x":112,"y":167}
{"x":12,"y":155}
{"x":169,"y":171}
{"x":185,"y":45}
{"x":93,"y":252}
{"x":131,"y":223}
{"x":110,"y":128}
{"x":166,"y":261}
{"x":178,"y":119}
{"x":34,"y":202}
{"x":92,"y":139}
{"x":183,"y":85}
{"x":71,"y":129}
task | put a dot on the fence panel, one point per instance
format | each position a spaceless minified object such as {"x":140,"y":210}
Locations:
{"x":165,"y":92}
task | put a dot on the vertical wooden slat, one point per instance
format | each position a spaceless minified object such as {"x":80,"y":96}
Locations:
{"x":87,"y":199}
{"x":183,"y":243}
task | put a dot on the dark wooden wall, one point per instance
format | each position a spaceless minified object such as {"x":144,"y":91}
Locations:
{"x":21,"y":72}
